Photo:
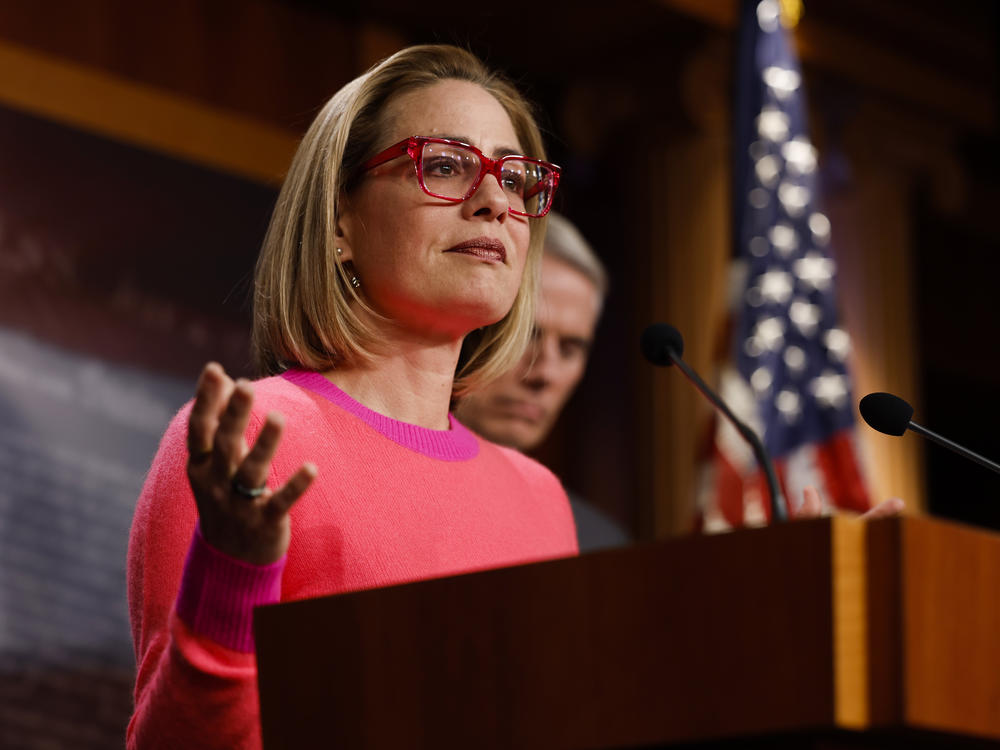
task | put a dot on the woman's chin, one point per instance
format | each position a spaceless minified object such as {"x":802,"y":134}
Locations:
{"x":481,"y":316}
{"x":451,"y":317}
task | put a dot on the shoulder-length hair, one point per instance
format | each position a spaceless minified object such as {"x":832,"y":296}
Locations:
{"x":303,"y":316}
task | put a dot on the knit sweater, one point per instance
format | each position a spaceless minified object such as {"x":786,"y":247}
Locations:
{"x":392,"y":503}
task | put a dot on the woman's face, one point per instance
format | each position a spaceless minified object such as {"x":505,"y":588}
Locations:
{"x":417,"y":257}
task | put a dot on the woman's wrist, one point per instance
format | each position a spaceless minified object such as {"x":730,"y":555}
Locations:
{"x":218,"y":593}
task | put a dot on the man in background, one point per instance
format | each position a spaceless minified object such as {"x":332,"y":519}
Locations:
{"x":520,"y":408}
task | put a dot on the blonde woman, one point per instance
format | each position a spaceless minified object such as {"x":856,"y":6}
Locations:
{"x":398,"y":271}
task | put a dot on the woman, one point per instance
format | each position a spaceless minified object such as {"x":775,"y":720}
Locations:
{"x":390,"y":243}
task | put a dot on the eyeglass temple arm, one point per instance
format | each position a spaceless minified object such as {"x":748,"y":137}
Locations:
{"x":388,"y":155}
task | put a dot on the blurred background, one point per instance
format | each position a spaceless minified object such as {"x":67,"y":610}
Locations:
{"x":141,"y":149}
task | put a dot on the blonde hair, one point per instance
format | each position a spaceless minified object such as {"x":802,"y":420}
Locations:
{"x":303,"y":315}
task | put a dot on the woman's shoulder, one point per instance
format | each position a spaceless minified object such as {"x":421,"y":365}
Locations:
{"x":274,"y":391}
{"x":296,"y":394}
{"x":530,"y":469}
{"x":271,"y":393}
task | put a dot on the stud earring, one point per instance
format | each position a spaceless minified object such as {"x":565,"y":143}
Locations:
{"x":339,"y":251}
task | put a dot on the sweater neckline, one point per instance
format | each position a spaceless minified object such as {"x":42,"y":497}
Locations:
{"x":457,"y":443}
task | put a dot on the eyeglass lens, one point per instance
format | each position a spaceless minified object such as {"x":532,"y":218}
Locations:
{"x":450,"y":171}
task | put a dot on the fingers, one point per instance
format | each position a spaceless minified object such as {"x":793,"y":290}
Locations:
{"x":253,"y":472}
{"x":213,"y":390}
{"x":281,"y":501}
{"x":812,"y":504}
{"x":891,"y":507}
{"x":229,"y":446}
{"x":218,"y":419}
{"x":239,"y":514}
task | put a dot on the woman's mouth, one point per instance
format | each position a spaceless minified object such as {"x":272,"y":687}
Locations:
{"x":486,"y":248}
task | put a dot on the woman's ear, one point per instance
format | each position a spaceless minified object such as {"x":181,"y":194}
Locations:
{"x":345,"y":230}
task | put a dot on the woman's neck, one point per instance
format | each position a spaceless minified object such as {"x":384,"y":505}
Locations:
{"x":407,"y":381}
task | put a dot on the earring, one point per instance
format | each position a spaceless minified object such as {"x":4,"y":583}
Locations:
{"x":355,"y":282}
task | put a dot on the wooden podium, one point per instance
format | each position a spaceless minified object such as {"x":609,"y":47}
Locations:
{"x":826,"y":633}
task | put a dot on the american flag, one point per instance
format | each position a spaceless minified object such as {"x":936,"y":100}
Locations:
{"x":787,"y":373}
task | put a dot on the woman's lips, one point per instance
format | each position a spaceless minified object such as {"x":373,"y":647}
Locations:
{"x":486,"y":248}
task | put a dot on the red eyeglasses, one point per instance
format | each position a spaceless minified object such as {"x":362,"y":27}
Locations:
{"x":453,"y":171}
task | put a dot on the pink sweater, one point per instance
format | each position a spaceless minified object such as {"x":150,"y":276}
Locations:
{"x":393,"y":503}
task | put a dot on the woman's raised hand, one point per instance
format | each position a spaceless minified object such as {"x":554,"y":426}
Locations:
{"x":239,"y":515}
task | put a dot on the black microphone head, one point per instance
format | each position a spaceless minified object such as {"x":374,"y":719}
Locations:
{"x":886,"y":413}
{"x":658,"y":340}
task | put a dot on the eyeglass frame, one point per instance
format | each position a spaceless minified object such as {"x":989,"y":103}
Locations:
{"x":414,"y":148}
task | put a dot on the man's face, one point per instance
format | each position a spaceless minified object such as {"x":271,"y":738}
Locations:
{"x":520,"y":408}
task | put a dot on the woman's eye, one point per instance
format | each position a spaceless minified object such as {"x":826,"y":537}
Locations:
{"x":442,"y":166}
{"x":513,"y":181}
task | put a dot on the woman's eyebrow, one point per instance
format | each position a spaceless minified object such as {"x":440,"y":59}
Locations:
{"x":502,"y":151}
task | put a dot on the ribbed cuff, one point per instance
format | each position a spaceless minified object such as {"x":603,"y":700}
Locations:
{"x":218,"y":593}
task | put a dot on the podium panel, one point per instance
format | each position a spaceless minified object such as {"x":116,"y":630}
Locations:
{"x":828,"y":628}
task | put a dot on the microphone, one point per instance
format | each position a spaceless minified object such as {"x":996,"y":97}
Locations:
{"x":663,"y":345}
{"x":891,"y":415}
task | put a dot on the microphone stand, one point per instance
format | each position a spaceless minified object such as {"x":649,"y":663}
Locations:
{"x":985,"y":462}
{"x":778,"y":512}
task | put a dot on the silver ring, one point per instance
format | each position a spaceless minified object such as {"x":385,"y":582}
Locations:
{"x":247,"y":492}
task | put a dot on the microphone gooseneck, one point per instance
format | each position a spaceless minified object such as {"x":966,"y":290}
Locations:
{"x":890,"y":414}
{"x":663,"y":345}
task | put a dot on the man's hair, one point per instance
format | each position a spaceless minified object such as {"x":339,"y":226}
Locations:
{"x":564,"y":242}
{"x":303,"y":316}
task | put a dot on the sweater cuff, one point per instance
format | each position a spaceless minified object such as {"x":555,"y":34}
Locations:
{"x":218,"y":594}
